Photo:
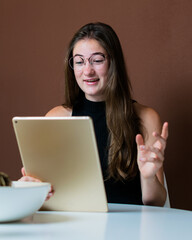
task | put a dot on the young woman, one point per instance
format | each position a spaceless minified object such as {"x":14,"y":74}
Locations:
{"x":130,"y":137}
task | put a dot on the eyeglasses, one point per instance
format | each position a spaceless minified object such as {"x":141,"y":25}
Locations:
{"x":77,"y":62}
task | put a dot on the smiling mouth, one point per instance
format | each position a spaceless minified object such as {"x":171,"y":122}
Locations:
{"x":91,"y":80}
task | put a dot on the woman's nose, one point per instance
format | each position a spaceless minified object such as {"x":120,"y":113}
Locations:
{"x":88,"y":69}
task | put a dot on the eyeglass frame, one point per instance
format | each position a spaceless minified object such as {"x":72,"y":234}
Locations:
{"x":85,"y":59}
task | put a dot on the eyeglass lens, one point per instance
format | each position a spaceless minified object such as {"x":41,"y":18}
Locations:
{"x":78,"y":61}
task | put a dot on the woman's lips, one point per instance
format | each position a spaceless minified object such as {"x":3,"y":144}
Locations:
{"x":91,"y":80}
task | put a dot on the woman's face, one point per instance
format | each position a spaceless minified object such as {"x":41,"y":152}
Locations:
{"x":90,"y":64}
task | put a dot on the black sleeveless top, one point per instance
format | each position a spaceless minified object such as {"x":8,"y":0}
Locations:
{"x":117,"y":191}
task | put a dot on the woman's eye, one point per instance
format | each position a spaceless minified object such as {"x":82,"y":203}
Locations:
{"x":79,"y":63}
{"x":98,"y":60}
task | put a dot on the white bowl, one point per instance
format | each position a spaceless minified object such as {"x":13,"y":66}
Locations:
{"x":22,"y":199}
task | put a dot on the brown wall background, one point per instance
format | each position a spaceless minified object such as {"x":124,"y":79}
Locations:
{"x":157,"y":41}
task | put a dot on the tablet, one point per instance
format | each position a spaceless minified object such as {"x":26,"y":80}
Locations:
{"x":63,"y":151}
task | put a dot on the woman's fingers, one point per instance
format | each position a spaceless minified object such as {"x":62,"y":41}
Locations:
{"x":26,"y":178}
{"x":151,"y":157}
{"x":32,"y":179}
{"x":23,"y":171}
{"x":150,"y":154}
{"x":165,"y":132}
{"x":50,"y":194}
{"x":161,"y":140}
{"x":139,"y":140}
{"x":29,"y":179}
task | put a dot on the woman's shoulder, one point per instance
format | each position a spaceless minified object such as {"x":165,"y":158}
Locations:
{"x":150,"y":119}
{"x":145,"y":113}
{"x":59,"y":111}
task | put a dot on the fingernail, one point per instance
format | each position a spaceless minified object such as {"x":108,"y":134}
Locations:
{"x":142,"y":147}
{"x":142,"y":159}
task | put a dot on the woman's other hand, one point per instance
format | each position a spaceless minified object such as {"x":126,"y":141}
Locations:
{"x":27,"y":178}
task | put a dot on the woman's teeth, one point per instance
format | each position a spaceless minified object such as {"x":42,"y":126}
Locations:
{"x":92,"y":80}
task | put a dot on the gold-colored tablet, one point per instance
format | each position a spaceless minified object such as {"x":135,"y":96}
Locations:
{"x":63,"y":151}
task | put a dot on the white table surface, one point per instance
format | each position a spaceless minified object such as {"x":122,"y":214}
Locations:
{"x":121,"y":222}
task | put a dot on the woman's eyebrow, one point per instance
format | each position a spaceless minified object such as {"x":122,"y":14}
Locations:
{"x":95,"y":53}
{"x":100,"y":53}
{"x":78,"y":55}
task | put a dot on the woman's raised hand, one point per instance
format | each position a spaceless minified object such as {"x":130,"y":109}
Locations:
{"x":150,"y":158}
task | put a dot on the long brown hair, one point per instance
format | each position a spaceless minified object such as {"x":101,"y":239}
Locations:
{"x":122,"y":121}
